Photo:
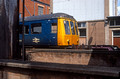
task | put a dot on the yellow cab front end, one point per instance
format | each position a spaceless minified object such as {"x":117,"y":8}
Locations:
{"x":67,"y":32}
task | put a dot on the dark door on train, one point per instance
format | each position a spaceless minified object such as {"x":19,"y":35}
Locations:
{"x":26,"y":34}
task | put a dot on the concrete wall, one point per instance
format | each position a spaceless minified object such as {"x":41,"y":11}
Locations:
{"x":82,"y":40}
{"x":110,"y":37}
{"x":112,"y":7}
{"x":96,"y":33}
{"x":106,"y":59}
{"x":82,"y":10}
{"x":106,"y":8}
{"x":19,"y":73}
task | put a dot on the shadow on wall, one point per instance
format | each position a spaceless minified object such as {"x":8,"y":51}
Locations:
{"x":90,"y":40}
{"x":105,"y":58}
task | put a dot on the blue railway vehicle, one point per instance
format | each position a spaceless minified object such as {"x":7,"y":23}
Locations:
{"x":57,"y":29}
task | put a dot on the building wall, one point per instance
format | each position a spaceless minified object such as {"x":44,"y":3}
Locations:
{"x":96,"y":33}
{"x":82,"y":10}
{"x":106,"y":8}
{"x":114,"y":40}
{"x":96,"y":11}
{"x":110,"y":37}
{"x":51,"y":6}
{"x":30,"y":9}
{"x":107,"y":35}
{"x":112,"y":7}
{"x":82,"y":41}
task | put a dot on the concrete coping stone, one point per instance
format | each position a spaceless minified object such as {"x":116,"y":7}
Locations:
{"x":80,"y":69}
{"x":69,"y":51}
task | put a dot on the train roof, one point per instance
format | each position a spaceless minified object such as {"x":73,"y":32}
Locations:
{"x":49,"y":16}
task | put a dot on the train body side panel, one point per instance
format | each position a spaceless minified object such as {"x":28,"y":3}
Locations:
{"x":45,"y":38}
{"x":75,"y":38}
{"x":61,"y":32}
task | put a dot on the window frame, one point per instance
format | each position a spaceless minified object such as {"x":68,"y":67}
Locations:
{"x":55,"y":29}
{"x":76,"y":28}
{"x":67,"y":27}
{"x":36,"y":26}
{"x":80,"y":23}
{"x":115,"y":34}
{"x":20,"y":29}
{"x":73,"y":33}
{"x":80,"y":33}
{"x":40,"y":10}
{"x":115,"y":23}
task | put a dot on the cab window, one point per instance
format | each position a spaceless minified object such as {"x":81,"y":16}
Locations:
{"x":72,"y":28}
{"x":67,"y":28}
{"x":76,"y":28}
{"x":26,"y":29}
{"x":36,"y":28}
{"x":54,"y":28}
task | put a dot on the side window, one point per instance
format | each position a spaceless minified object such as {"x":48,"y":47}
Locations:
{"x":26,"y":29}
{"x":40,"y":10}
{"x":67,"y":28}
{"x":54,"y":28}
{"x":82,"y":32}
{"x":72,"y":28}
{"x":76,"y":28}
{"x":36,"y":28}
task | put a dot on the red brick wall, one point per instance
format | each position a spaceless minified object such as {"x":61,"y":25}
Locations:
{"x":30,"y":6}
{"x":45,"y":1}
{"x":117,"y":41}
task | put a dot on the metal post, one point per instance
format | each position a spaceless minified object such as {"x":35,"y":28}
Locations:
{"x":23,"y":52}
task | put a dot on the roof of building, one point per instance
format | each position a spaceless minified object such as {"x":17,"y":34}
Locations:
{"x":113,"y":17}
{"x":49,"y":16}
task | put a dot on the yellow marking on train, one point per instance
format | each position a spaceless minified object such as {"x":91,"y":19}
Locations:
{"x":20,"y":40}
{"x":36,"y":40}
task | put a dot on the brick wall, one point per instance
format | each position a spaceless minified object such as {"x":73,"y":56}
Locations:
{"x":30,"y":7}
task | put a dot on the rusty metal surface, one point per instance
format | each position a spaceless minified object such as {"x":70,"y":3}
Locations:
{"x":8,"y":28}
{"x":80,"y":69}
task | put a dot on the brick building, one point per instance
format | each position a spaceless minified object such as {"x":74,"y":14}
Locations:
{"x":114,"y":30}
{"x":91,"y":16}
{"x":35,"y":7}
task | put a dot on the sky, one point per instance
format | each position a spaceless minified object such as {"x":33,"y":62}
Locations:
{"x":118,"y":7}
